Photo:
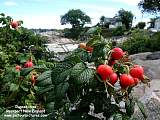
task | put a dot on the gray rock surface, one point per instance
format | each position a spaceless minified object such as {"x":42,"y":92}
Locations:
{"x":149,"y":96}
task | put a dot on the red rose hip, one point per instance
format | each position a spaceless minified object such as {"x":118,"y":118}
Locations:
{"x":126,"y":80}
{"x":117,"y":53}
{"x":104,"y":71}
{"x":137,"y":71}
{"x":113,"y":78}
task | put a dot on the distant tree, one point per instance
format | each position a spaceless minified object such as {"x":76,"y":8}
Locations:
{"x":102,"y":20}
{"x":141,"y":25}
{"x":150,"y":6}
{"x":76,"y":18}
{"x":126,"y":17}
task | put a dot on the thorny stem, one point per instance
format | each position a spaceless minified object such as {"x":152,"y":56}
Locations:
{"x":107,"y":57}
{"x":127,"y":68}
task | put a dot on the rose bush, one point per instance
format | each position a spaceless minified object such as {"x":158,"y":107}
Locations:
{"x":93,"y":75}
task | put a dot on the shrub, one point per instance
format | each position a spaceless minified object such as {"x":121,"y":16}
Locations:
{"x":141,"y":25}
{"x":138,"y":41}
{"x":119,"y":31}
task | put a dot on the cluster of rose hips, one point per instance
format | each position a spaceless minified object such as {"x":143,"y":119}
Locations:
{"x":128,"y":79}
{"x":86,"y":47}
{"x":28,"y":64}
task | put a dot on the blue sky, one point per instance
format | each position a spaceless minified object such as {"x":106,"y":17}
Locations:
{"x":46,"y":13}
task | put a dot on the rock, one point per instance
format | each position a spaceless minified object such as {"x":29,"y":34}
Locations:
{"x":151,"y":107}
{"x":153,"y":56}
{"x":150,"y":97}
{"x":146,"y":56}
{"x":140,"y":56}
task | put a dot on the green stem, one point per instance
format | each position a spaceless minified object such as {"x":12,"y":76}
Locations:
{"x":98,"y":77}
{"x":127,"y":68}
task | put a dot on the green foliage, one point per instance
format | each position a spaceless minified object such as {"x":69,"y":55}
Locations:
{"x":119,"y":31}
{"x":17,"y":46}
{"x":141,"y":41}
{"x":141,"y":25}
{"x":150,"y":6}
{"x":77,"y":19}
{"x":126,"y":18}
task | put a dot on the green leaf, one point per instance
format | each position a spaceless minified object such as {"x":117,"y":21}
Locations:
{"x":24,"y":88}
{"x":94,"y":41}
{"x":100,"y":51}
{"x":26,"y":71}
{"x":61,"y":72}
{"x":82,"y":54}
{"x":61,"y":89}
{"x":2,"y":14}
{"x":129,"y":105}
{"x":142,"y":109}
{"x":45,"y":75}
{"x":117,"y":117}
{"x":50,"y":96}
{"x":45,"y":82}
{"x":85,"y":76}
{"x":9,"y":76}
{"x":42,"y":90}
{"x":77,"y":70}
{"x":73,"y":59}
{"x":13,"y":87}
{"x":50,"y":106}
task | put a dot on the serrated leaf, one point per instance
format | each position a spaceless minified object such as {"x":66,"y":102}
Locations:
{"x":77,"y":69}
{"x":82,"y":54}
{"x":42,"y":90}
{"x":25,"y":71}
{"x":61,"y":89}
{"x":94,"y":41}
{"x":45,"y":75}
{"x":43,"y":66}
{"x":45,"y":82}
{"x":60,"y":72}
{"x":13,"y":87}
{"x":9,"y":76}
{"x":73,"y":59}
{"x":117,"y":117}
{"x":142,"y":109}
{"x":85,"y":76}
{"x":100,"y":51}
{"x":92,"y":30}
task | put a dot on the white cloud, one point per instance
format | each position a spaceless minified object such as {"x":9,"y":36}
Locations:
{"x":42,"y":21}
{"x":10,"y":3}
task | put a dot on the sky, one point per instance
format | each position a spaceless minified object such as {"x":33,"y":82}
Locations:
{"x":46,"y":13}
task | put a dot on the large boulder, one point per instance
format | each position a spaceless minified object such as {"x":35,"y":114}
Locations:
{"x":149,"y":96}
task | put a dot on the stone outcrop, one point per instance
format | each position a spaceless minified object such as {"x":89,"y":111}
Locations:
{"x":150,"y":97}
